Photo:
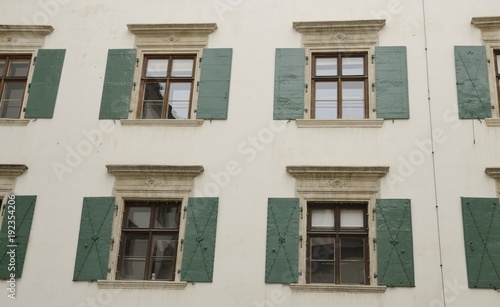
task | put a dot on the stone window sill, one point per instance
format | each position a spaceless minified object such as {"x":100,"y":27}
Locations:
{"x":140,"y":284}
{"x":336,"y":288}
{"x":492,"y":122}
{"x":339,"y":123}
{"x":13,"y":122}
{"x":163,"y":122}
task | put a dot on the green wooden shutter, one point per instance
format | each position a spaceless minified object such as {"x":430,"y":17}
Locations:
{"x":199,"y":239}
{"x":481,"y":218}
{"x":391,"y":83}
{"x":215,"y":77}
{"x":472,"y":82}
{"x":394,"y":243}
{"x":95,"y":238}
{"x":118,"y":83}
{"x":289,"y":84}
{"x":24,"y":209}
{"x":282,"y":244}
{"x":45,"y":83}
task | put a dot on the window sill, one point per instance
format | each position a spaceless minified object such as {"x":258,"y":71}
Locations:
{"x":492,"y":122}
{"x":13,"y":122}
{"x":339,"y":123}
{"x":163,"y":122}
{"x":140,"y":284}
{"x":336,"y":288}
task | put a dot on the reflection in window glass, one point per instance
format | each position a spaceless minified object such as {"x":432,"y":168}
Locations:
{"x":353,"y":100}
{"x":323,"y":218}
{"x":153,"y":100}
{"x":12,"y":99}
{"x":138,"y":217}
{"x":322,"y":255}
{"x":352,"y":264}
{"x":2,"y":66}
{"x":353,"y":66}
{"x":326,"y":100}
{"x":182,"y":68}
{"x":179,"y":100}
{"x":157,"y":68}
{"x":351,"y":218}
{"x":498,"y":64}
{"x":18,"y":68}
{"x":167,"y":217}
{"x":326,"y":67}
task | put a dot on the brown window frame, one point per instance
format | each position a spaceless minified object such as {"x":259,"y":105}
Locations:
{"x":150,"y":232}
{"x":496,"y":54}
{"x":168,"y":80}
{"x":4,"y":79}
{"x":339,"y":78}
{"x":339,"y":233}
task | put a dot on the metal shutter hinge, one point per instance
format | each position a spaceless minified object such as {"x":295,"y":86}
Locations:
{"x":373,"y":58}
{"x":375,"y":275}
{"x":3,"y":209}
{"x":307,"y":60}
{"x":185,"y":209}
{"x":112,"y":243}
{"x":306,"y":86}
{"x":374,"y":243}
{"x":34,"y":60}
{"x":301,"y":208}
{"x":201,"y":59}
{"x":134,"y":86}
{"x":197,"y":86}
{"x":109,"y":270}
{"x":29,"y":87}
{"x":300,"y":239}
{"x":137,"y":62}
{"x":373,"y":87}
{"x":182,"y":243}
{"x":116,"y":210}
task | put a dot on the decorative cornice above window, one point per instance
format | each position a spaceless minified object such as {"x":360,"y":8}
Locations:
{"x":192,"y":35}
{"x":494,"y":172}
{"x":351,"y":33}
{"x":22,"y":36}
{"x":490,"y":28}
{"x":8,"y":176}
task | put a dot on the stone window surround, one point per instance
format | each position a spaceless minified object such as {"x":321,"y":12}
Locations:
{"x":148,"y":182}
{"x":8,"y":177}
{"x":339,"y":184}
{"x":494,"y":172}
{"x":22,"y":39}
{"x":341,"y":36}
{"x":167,"y":39}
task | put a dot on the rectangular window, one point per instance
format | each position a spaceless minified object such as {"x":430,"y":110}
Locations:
{"x":337,"y":243}
{"x":149,"y":239}
{"x":14,"y":77}
{"x":497,"y":72}
{"x":339,"y":86}
{"x":167,"y":86}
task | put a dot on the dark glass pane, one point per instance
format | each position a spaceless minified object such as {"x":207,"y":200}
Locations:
{"x":352,"y":272}
{"x":167,"y":217}
{"x":178,"y":102}
{"x":326,"y":67}
{"x":498,"y":63}
{"x":163,"y":269}
{"x":12,"y":99}
{"x":322,"y":248}
{"x":133,"y":269}
{"x":353,"y":100}
{"x":164,"y":246}
{"x":157,"y":68}
{"x":352,"y":249}
{"x":152,"y":110}
{"x":353,"y":66}
{"x":154,"y":91}
{"x":136,"y":246}
{"x":18,"y":68}
{"x":182,"y":68}
{"x":2,"y":66}
{"x":326,"y":100}
{"x":138,"y":217}
{"x":322,"y":272}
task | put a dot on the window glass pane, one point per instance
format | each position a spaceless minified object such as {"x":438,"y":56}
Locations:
{"x":153,"y":100}
{"x":18,"y":68}
{"x":352,"y":265}
{"x":352,"y":272}
{"x":351,"y":218}
{"x":138,"y":217}
{"x":352,"y":249}
{"x":167,"y":217}
{"x":326,"y":100}
{"x":353,"y":100}
{"x":157,"y":68}
{"x":163,"y":269}
{"x":133,"y":269}
{"x":326,"y":67}
{"x":12,"y":99}
{"x":322,"y":272}
{"x":2,"y":66}
{"x":498,"y":63}
{"x":322,"y":248}
{"x":322,"y":218}
{"x":136,"y":246}
{"x":182,"y":68}
{"x":178,"y":103}
{"x":164,"y":246}
{"x":353,"y":66}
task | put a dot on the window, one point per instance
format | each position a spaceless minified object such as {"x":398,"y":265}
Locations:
{"x":14,"y":77}
{"x":497,"y":72}
{"x":150,"y":234}
{"x":337,"y":243}
{"x":167,"y":87}
{"x":339,"y":86}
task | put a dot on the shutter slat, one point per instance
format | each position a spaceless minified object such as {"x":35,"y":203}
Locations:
{"x":391,"y":83}
{"x":472,"y":82}
{"x":481,"y":219}
{"x":24,"y":210}
{"x":394,"y":243}
{"x":199,"y":239}
{"x":289,"y":84}
{"x":45,"y":83}
{"x":215,"y":77}
{"x":94,"y":239}
{"x":282,"y":243}
{"x":118,"y":82}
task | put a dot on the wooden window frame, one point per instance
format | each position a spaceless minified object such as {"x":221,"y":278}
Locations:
{"x":496,"y":55}
{"x":4,"y":79}
{"x":339,"y":233}
{"x":339,"y":78}
{"x":167,"y":80}
{"x":150,"y":231}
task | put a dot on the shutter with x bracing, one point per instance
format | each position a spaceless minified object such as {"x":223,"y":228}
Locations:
{"x":394,"y":243}
{"x":199,"y":239}
{"x":481,"y":218}
{"x":118,"y":82}
{"x":15,"y":247}
{"x":45,"y":83}
{"x":473,"y":88}
{"x":289,"y":87}
{"x":94,"y":240}
{"x":282,"y":244}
